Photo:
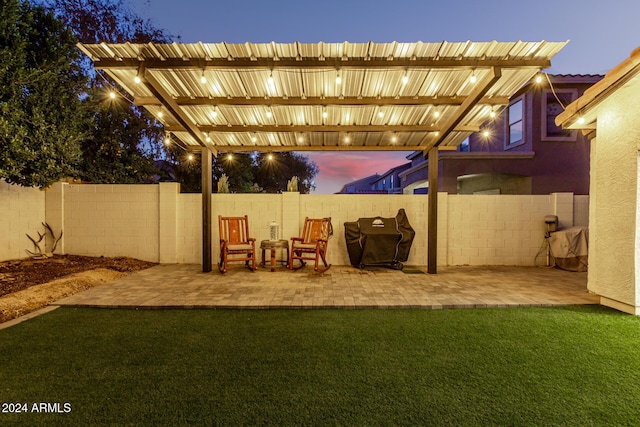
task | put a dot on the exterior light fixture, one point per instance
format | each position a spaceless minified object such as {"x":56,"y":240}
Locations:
{"x":160,"y":114}
{"x":207,"y":137}
{"x":270,"y":157}
{"x":539,"y":79}
{"x":112,"y":95}
{"x":269,"y":114}
{"x":229,"y":157}
{"x":380,"y":114}
{"x":473,"y":77}
{"x":436,"y":114}
{"x":347,"y":139}
{"x":394,"y":139}
{"x":253,"y":138}
{"x":301,"y":139}
{"x":325,"y":114}
{"x":190,"y":157}
{"x":214,"y":114}
{"x":492,"y":114}
{"x":167,"y":140}
{"x":581,"y":121}
{"x":485,"y":134}
{"x":338,"y":78}
{"x":137,"y":79}
{"x":405,"y":79}
{"x":203,"y":79}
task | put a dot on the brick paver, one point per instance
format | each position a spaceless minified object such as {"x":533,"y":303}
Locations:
{"x":184,"y":285}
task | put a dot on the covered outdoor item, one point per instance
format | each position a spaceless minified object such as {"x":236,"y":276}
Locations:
{"x":570,"y":248}
{"x":379,"y":241}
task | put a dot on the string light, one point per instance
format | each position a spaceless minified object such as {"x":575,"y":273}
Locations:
{"x":270,"y":157}
{"x":112,"y":95}
{"x":203,"y":79}
{"x":230,"y":157}
{"x":269,"y":114}
{"x":338,"y":78}
{"x":137,"y":79}
{"x":189,"y":156}
{"x":436,"y":114}
{"x":473,"y":77}
{"x":581,"y":120}
{"x":492,"y":114}
{"x":538,"y":79}
{"x":394,"y":139}
{"x":486,"y":134}
{"x":253,"y":138}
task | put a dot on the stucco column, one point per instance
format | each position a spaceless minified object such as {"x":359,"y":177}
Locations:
{"x":54,"y":213}
{"x":168,"y":222}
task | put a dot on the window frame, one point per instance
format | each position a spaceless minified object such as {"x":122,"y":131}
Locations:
{"x":543,"y":112}
{"x":507,"y":136}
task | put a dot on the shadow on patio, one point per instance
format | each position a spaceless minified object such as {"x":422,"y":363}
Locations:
{"x":184,"y":285}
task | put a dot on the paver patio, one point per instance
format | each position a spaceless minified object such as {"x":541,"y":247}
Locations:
{"x":184,"y":285}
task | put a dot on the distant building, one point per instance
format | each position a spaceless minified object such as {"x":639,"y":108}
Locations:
{"x":360,"y":186}
{"x":524,"y":151}
{"x":389,"y":182}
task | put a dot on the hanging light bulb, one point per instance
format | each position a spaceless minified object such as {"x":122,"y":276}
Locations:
{"x":300,"y":139}
{"x":539,"y":78}
{"x":190,"y":157}
{"x":436,"y":114}
{"x":492,"y":114}
{"x":167,"y":140}
{"x":270,"y":157}
{"x":112,"y":95}
{"x":347,"y":139}
{"x":207,"y":137}
{"x":160,"y":114}
{"x":269,"y":114}
{"x":325,"y":114}
{"x":137,"y":79}
{"x":473,"y":77}
{"x":581,"y":121}
{"x":394,"y":139}
{"x":203,"y":79}
{"x":253,"y":138}
{"x":338,"y":78}
{"x":229,"y":156}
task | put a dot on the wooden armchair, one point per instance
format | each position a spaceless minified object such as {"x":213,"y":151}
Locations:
{"x":235,"y":243}
{"x":312,"y":245}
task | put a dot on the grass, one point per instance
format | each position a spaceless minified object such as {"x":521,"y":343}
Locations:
{"x":511,"y":366}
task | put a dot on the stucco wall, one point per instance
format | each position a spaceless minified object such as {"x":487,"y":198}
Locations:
{"x":22,"y":211}
{"x":613,"y":261}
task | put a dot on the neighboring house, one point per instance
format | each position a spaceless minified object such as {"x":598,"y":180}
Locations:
{"x":523,"y":151}
{"x":389,"y":182}
{"x":362,"y":185}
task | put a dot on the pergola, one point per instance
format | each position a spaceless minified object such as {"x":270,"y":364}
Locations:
{"x":268,"y":97}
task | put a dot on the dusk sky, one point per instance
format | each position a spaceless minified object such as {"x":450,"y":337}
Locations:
{"x":601,"y":34}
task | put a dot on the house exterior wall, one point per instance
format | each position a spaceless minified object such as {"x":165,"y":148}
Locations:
{"x":614,"y":250}
{"x":22,"y":211}
{"x":549,"y":164}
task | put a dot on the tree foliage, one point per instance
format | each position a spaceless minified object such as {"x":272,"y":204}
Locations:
{"x":41,"y":116}
{"x":123,"y":141}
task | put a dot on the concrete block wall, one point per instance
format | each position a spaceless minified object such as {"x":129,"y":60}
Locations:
{"x":22,"y":211}
{"x":158,"y":223}
{"x":495,"y":230}
{"x":112,"y":220}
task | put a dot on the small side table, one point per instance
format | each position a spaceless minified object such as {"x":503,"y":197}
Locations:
{"x":273,"y":245}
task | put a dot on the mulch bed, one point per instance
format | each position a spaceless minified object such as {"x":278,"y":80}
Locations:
{"x":17,"y":275}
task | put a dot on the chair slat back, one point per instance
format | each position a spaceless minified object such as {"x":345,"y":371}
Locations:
{"x":316,"y":229}
{"x":234,"y":229}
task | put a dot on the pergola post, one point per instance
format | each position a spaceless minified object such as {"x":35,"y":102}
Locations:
{"x":432,"y":228}
{"x":206,"y":208}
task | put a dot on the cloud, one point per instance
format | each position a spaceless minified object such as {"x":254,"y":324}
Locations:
{"x":340,"y":167}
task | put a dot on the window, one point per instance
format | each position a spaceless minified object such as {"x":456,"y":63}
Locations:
{"x":464,"y":146}
{"x":515,"y":134}
{"x":552,"y":105}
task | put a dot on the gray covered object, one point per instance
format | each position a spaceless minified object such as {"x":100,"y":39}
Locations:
{"x":379,"y":241}
{"x":570,"y":248}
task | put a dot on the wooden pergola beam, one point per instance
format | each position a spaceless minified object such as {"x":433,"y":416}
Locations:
{"x":167,"y":101}
{"x":320,"y":128}
{"x":272,"y":64}
{"x":478,"y":92}
{"x":322,"y":101}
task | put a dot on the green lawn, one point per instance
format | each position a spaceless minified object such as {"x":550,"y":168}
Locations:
{"x":510,"y":366}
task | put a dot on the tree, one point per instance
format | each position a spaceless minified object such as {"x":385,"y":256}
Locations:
{"x":123,"y":141}
{"x":275,"y":170}
{"x":41,"y":116}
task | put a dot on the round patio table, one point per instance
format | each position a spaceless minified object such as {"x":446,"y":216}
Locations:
{"x":272,"y":246}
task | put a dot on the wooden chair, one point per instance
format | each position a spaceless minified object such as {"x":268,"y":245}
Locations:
{"x":312,"y":245}
{"x":235,"y":243}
